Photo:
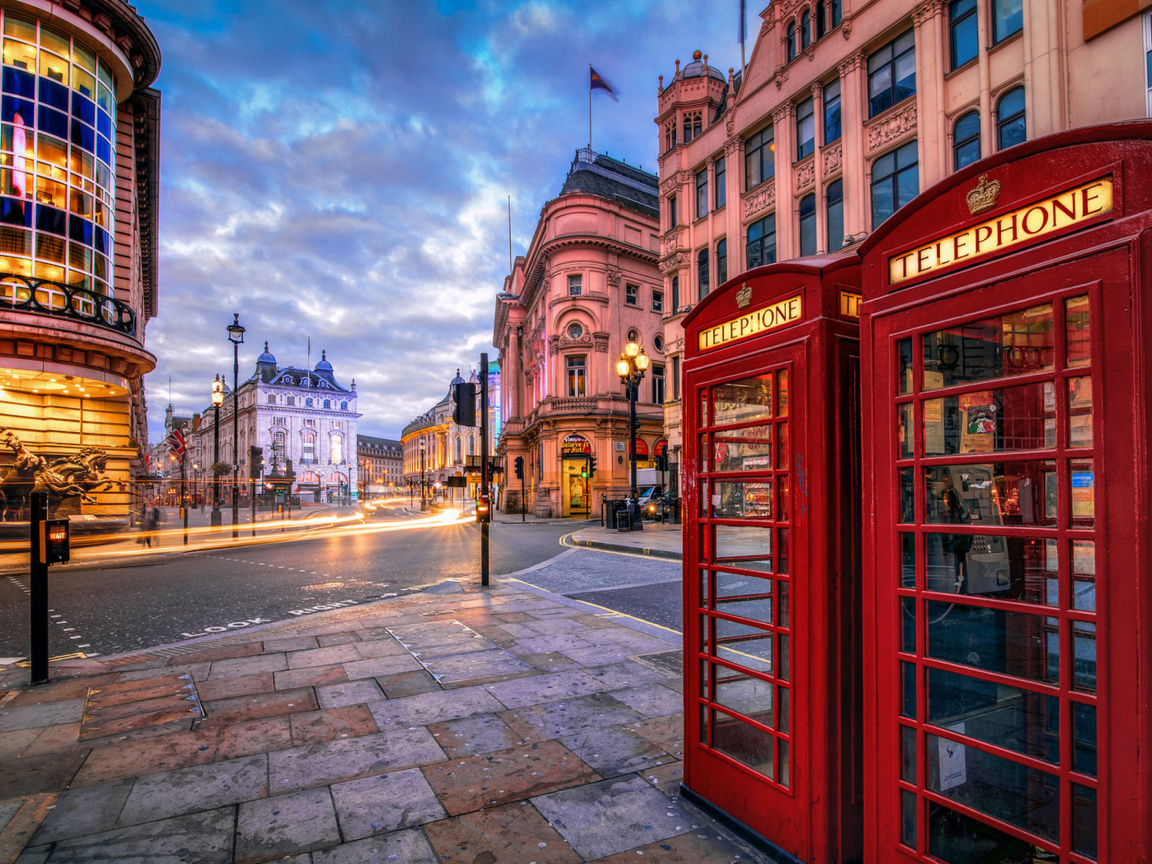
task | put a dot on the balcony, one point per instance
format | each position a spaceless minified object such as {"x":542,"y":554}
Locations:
{"x":25,"y":294}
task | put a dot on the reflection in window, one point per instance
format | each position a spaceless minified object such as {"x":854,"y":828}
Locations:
{"x":761,"y":248}
{"x":1010,"y":119}
{"x":1012,"y":344}
{"x":966,"y":140}
{"x":1007,"y":18}
{"x":992,"y":421}
{"x":962,"y":28}
{"x":999,"y":493}
{"x":832,"y":111}
{"x":808,"y":225}
{"x":759,"y":158}
{"x":892,"y":73}
{"x":895,"y":181}
{"x":743,"y":401}
{"x":805,"y":129}
{"x":835,"y":215}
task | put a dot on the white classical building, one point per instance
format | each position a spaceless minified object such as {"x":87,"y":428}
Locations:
{"x":293,"y":414}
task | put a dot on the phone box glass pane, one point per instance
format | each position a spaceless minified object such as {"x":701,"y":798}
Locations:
{"x":1017,"y":343}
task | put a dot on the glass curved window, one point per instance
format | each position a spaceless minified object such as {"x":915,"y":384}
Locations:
{"x":790,"y":48}
{"x":966,"y":140}
{"x":1010,"y":126}
{"x":57,"y":162}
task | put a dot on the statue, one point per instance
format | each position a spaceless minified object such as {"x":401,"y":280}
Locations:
{"x":64,"y":479}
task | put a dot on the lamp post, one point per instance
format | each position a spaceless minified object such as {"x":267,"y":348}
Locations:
{"x":236,"y":337}
{"x":423,"y":502}
{"x":631,"y":368}
{"x":217,"y":399}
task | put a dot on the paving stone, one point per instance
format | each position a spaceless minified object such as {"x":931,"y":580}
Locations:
{"x":322,"y":656}
{"x":199,"y":838}
{"x":401,"y":684}
{"x":290,"y":643}
{"x":248,"y":666}
{"x":328,"y":639}
{"x":83,"y":811}
{"x":13,"y":743}
{"x":198,"y":671}
{"x":58,"y":691}
{"x":405,"y":847}
{"x":311,"y":676}
{"x":515,"y":832}
{"x":569,"y":716}
{"x":599,"y":655}
{"x":242,"y":685}
{"x":481,"y":664}
{"x":219,"y":652}
{"x":287,"y":824}
{"x":471,"y":736}
{"x":544,"y":688}
{"x":382,"y":666}
{"x":39,"y":774}
{"x":379,"y":647}
{"x":627,"y":674}
{"x":554,"y":626}
{"x":492,"y":779}
{"x":689,"y":848}
{"x":54,"y":739}
{"x":350,"y":721}
{"x":136,"y":757}
{"x":615,"y":750}
{"x":8,"y":809}
{"x":201,"y":787}
{"x":613,"y":816}
{"x":667,"y":777}
{"x":389,"y":802}
{"x":651,"y":700}
{"x":667,"y":731}
{"x":349,"y":693}
{"x":463,"y":645}
{"x":41,"y":714}
{"x":553,"y":661}
{"x":249,"y":737}
{"x":562,"y":642}
{"x":259,"y":705}
{"x":350,"y":758}
{"x":433,"y":708}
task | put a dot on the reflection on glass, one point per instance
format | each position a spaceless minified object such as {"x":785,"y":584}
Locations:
{"x":1084,"y":738}
{"x":991,"y":421}
{"x":1007,"y":717}
{"x":704,"y":407}
{"x":744,"y":596}
{"x":907,"y":496}
{"x":905,"y":431}
{"x":782,"y":452}
{"x":782,"y":659}
{"x":703,"y":454}
{"x":744,"y":645}
{"x":783,"y":776}
{"x":747,"y":450}
{"x":1084,"y":656}
{"x":1008,"y":791}
{"x":744,"y":694}
{"x":782,"y":708}
{"x":904,"y":375}
{"x":1077,"y":321}
{"x":742,"y":742}
{"x":782,"y":552}
{"x":994,"y":640}
{"x":908,"y":686}
{"x":743,"y":401}
{"x":1080,"y":412}
{"x":743,"y":500}
{"x":782,"y":599}
{"x":908,"y":625}
{"x":782,"y":486}
{"x":1083,"y":482}
{"x":1084,"y":575}
{"x":908,"y":818}
{"x":748,"y":547}
{"x":960,"y":839}
{"x":1018,"y":343}
{"x":1084,"y":820}
{"x":783,"y":397}
{"x":1007,"y":568}
{"x":991,"y":493}
{"x":907,"y":560}
{"x":705,"y":583}
{"x":908,"y":754}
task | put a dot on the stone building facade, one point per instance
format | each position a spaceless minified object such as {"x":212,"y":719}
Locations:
{"x":380,"y":466}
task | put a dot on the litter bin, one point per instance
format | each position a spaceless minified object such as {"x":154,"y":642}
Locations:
{"x":614,"y":508}
{"x":623,"y":519}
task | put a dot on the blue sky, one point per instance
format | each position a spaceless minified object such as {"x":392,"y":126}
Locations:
{"x":340,"y":171}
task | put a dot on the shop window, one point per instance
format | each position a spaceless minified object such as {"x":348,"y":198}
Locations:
{"x":832,"y":128}
{"x":835,"y":215}
{"x":790,"y":43}
{"x":895,"y":182}
{"x":761,"y":247}
{"x":962,"y":30}
{"x":577,"y":370}
{"x":805,"y":129}
{"x":892,"y":73}
{"x":657,"y":384}
{"x":701,"y":193}
{"x":657,"y":301}
{"x":720,"y":195}
{"x":721,"y":261}
{"x":808,"y":225}
{"x":702,"y":273}
{"x":675,"y":286}
{"x":575,"y":285}
{"x":692,"y":126}
{"x":759,"y":158}
{"x":1007,"y":18}
{"x":631,"y":294}
{"x":1010,"y":119}
{"x":966,"y":140}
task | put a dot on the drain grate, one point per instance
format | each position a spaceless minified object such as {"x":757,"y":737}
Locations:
{"x":118,"y":708}
{"x":669,"y":662}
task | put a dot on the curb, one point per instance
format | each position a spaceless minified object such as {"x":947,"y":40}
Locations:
{"x":635,"y":550}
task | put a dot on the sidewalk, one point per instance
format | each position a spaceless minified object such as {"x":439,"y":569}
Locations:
{"x":458,"y":725}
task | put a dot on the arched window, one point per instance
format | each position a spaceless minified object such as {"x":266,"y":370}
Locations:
{"x":790,"y":48}
{"x":835,"y":215}
{"x":337,"y":450}
{"x":805,"y":30}
{"x":966,"y":140}
{"x":471,"y":445}
{"x":308,"y":402}
{"x":821,"y":21}
{"x":808,"y":225}
{"x":459,"y":456}
{"x":327,"y":403}
{"x":1010,"y":125}
{"x":343,"y":406}
{"x":721,"y":261}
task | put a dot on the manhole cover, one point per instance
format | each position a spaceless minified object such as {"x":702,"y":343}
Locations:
{"x":669,"y":662}
{"x":118,"y":708}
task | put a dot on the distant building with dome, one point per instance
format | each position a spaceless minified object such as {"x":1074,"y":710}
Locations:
{"x":298,"y":416}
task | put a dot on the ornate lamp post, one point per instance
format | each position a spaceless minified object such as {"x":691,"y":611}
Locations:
{"x":423,"y":502}
{"x":217,"y":400}
{"x":631,"y":366}
{"x":236,"y":337}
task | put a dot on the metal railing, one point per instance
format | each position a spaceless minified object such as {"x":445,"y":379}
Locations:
{"x":45,"y":297}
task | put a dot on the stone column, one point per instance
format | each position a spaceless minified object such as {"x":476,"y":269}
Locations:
{"x":853,"y":112}
{"x":787,"y":235}
{"x":733,"y":215}
{"x":818,"y":120}
{"x":931,"y":64}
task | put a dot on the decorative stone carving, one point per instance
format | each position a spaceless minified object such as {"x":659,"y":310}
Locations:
{"x":784,"y":113}
{"x":833,"y":158}
{"x":805,"y":175}
{"x":601,"y":342}
{"x":760,"y":200}
{"x":673,"y":262}
{"x":892,"y":127}
{"x":613,"y":278}
{"x":926,"y":11}
{"x":733,"y":145}
{"x":817,"y":90}
{"x":851,"y":63}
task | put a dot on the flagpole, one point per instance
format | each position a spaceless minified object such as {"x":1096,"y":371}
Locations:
{"x":743,"y":15}
{"x":589,"y":106}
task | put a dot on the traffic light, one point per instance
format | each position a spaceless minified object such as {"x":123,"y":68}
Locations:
{"x":483,"y":509}
{"x":255,"y":460}
{"x":464,"y":411}
{"x":591,"y":466}
{"x":519,"y":467}
{"x":661,"y":462}
{"x":584,"y":471}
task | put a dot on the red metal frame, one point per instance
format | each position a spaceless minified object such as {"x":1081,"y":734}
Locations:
{"x":813,"y":810}
{"x":1015,"y":786}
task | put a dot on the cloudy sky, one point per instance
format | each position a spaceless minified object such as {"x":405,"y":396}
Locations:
{"x":340,"y":171}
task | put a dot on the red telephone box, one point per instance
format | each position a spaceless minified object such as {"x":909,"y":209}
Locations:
{"x":1007,"y":335}
{"x":772,"y":558}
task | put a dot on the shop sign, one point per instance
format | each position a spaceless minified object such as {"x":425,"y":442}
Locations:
{"x":641,"y":447}
{"x":575,"y":445}
{"x":1056,"y":214}
{"x":779,"y":314}
{"x":661,"y":447}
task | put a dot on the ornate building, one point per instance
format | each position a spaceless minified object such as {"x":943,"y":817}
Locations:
{"x":847,"y":108}
{"x":380,"y":466}
{"x":587,"y":286}
{"x":78,"y":234}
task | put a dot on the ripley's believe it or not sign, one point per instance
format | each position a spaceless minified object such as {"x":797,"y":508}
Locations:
{"x":779,"y":314}
{"x":1058,"y":213}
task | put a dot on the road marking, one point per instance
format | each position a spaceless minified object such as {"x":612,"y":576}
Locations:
{"x":235,"y":625}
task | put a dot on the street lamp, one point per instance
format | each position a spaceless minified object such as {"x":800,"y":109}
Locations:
{"x":217,"y":400}
{"x":631,"y":366}
{"x":236,"y":337}
{"x":423,"y":503}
